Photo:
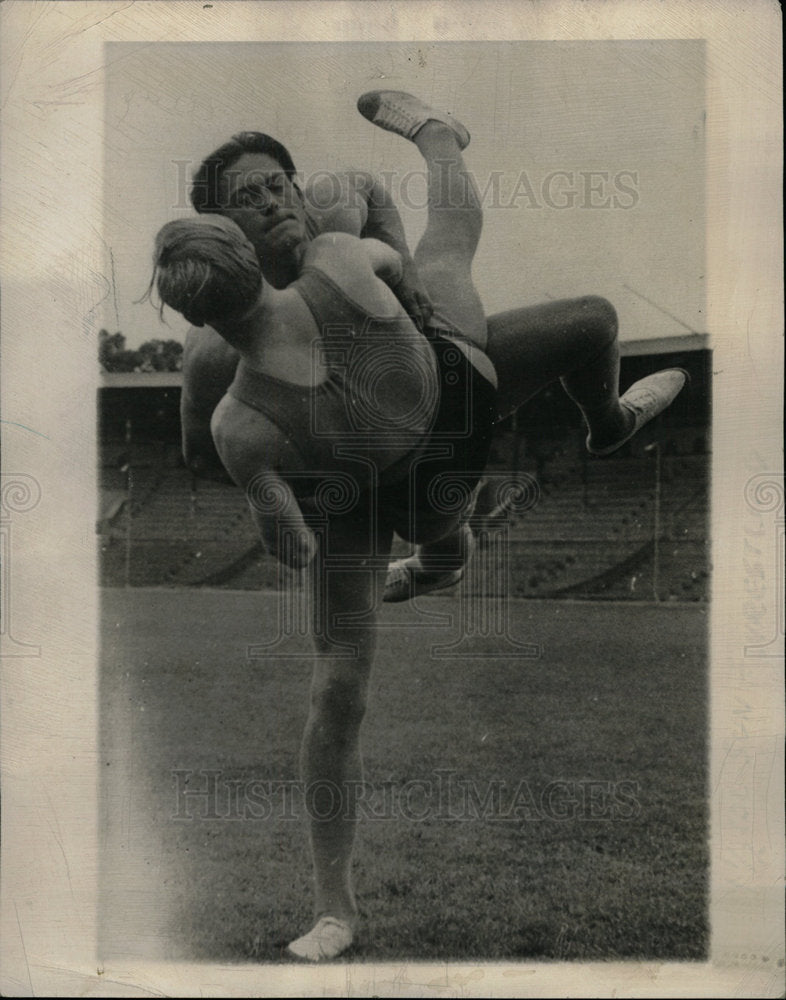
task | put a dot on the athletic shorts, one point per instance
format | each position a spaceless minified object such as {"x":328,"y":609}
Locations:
{"x":440,"y":483}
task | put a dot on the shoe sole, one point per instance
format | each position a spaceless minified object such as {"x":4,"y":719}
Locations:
{"x":420,"y":589}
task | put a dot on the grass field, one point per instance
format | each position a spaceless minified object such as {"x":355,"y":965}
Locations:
{"x":518,"y":808}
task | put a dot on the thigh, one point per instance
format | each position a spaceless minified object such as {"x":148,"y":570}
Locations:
{"x":438,"y":491}
{"x":457,"y":306}
{"x":532,"y":346}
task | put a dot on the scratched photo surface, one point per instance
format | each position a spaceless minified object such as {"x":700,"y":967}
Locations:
{"x":535,"y":749}
{"x":572,"y":777}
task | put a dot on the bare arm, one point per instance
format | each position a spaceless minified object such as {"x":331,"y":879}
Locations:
{"x":383,"y":223}
{"x":280,"y":521}
{"x":386,"y":262}
{"x":252,"y":448}
{"x":356,"y":202}
{"x":208,"y":369}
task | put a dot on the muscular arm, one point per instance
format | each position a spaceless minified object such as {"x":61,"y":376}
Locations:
{"x":384,"y":223}
{"x":385,"y":261}
{"x":253,"y":448}
{"x":357,"y":203}
{"x":209,"y":365}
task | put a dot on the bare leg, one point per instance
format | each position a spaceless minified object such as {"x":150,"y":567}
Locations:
{"x":446,"y":250}
{"x":331,"y":763}
{"x":443,"y":259}
{"x":574,"y":340}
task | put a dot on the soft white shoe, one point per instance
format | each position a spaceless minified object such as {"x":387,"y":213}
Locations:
{"x":407,"y":579}
{"x":646,"y":399}
{"x":326,"y":940}
{"x":405,"y":115}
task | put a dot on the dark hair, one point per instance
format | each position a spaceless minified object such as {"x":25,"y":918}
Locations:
{"x":207,"y":179}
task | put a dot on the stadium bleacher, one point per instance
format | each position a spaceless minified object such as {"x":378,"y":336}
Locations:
{"x":590,"y":533}
{"x":633,"y":526}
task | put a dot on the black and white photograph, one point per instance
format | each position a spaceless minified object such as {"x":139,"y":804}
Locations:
{"x":404,"y":501}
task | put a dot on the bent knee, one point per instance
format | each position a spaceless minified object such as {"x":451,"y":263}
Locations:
{"x":600,"y":314}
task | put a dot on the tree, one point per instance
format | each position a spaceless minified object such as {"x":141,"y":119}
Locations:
{"x":109,"y":346}
{"x":152,"y":356}
{"x":161,"y":355}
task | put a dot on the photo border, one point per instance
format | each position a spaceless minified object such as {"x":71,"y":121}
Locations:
{"x":54,"y":281}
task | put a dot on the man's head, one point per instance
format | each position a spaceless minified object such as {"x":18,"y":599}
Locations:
{"x":251,"y":180}
{"x":206,"y":269}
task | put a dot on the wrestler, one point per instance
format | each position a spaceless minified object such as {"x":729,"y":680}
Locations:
{"x":252,"y":180}
{"x":336,"y":387}
{"x":574,"y":340}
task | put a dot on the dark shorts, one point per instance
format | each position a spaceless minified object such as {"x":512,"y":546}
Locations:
{"x":439,"y":486}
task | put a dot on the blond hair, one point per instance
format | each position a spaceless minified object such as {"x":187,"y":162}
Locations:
{"x":206,"y":269}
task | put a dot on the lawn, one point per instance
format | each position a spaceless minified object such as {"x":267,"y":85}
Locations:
{"x":550,"y":808}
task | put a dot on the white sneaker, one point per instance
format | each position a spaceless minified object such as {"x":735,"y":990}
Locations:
{"x":646,"y":399}
{"x":326,"y":940}
{"x":405,"y":115}
{"x":407,"y":579}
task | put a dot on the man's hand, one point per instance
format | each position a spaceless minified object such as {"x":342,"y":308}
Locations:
{"x":280,"y":520}
{"x":412,"y":294}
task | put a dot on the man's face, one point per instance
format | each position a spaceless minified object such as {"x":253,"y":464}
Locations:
{"x":256,"y":193}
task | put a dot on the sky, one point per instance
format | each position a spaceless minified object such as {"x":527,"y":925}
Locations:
{"x":590,"y":153}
